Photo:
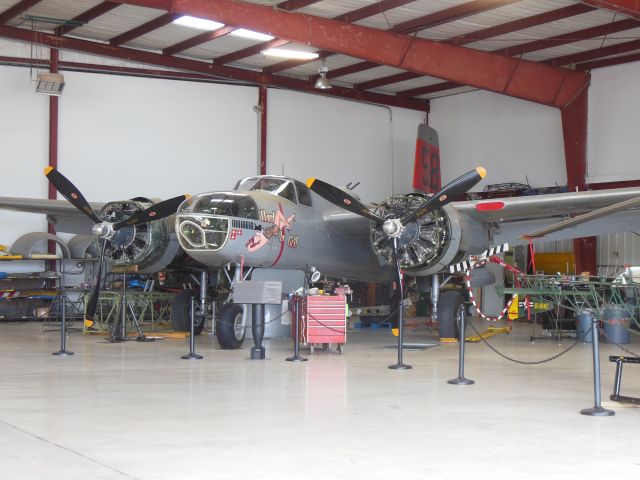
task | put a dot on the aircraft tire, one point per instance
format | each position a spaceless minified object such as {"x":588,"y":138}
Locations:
{"x":181,"y":314}
{"x":448,"y":305}
{"x":228,"y":337}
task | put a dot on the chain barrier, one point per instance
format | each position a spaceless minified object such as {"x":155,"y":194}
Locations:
{"x":523,"y":362}
{"x":617,"y":344}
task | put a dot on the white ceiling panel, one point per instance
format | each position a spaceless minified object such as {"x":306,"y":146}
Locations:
{"x":115,"y":22}
{"x":370,"y":74}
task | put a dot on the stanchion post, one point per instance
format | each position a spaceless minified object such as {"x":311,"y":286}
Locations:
{"x":296,"y":332}
{"x":63,"y":328}
{"x":400,"y":365}
{"x":462,"y":327}
{"x":192,"y":354}
{"x":597,"y":410}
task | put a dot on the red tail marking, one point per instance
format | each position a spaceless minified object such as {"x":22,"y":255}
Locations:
{"x":426,"y":169}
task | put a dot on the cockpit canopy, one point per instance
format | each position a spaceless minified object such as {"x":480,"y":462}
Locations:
{"x":227,"y":204}
{"x":292,"y":190}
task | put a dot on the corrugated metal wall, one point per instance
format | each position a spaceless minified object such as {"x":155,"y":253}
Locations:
{"x":617,"y":250}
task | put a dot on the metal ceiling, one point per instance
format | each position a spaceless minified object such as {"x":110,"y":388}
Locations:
{"x":548,"y":42}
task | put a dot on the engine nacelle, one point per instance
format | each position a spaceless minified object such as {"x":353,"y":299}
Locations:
{"x":151,"y":246}
{"x":431,"y":243}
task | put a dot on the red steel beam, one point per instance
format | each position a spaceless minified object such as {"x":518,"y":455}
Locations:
{"x":594,"y":54}
{"x":204,"y":68}
{"x":631,"y":8}
{"x":349,"y":17}
{"x":490,"y":32}
{"x":426,"y":21}
{"x":513,"y":77}
{"x":609,"y":62}
{"x":87,"y":16}
{"x":208,"y":36}
{"x":19,"y":8}
{"x":563,"y":39}
{"x":145,"y":28}
{"x":262,"y":103}
{"x":53,"y":150}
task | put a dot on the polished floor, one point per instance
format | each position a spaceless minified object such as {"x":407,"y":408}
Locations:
{"x":137,"y":411}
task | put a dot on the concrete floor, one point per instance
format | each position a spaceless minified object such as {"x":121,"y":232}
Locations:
{"x":138,"y":411}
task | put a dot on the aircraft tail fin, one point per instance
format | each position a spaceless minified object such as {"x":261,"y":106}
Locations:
{"x":426,"y":169}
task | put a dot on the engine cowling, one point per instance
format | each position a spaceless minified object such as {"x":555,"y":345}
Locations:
{"x":151,"y":246}
{"x":431,"y":243}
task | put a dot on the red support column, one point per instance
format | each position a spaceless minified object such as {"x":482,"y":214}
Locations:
{"x":574,"y":127}
{"x":262,"y":104}
{"x":53,"y":148}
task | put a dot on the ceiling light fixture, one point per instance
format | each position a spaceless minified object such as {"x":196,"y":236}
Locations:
{"x":251,"y":35}
{"x":198,"y":23}
{"x":323,"y":83}
{"x":50,"y":84}
{"x":286,"y":53}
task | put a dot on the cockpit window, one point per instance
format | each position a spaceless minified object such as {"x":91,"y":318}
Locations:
{"x":304,"y":195}
{"x":278,"y":186}
{"x":227,"y":204}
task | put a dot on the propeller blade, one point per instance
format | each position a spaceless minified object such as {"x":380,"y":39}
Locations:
{"x":342,"y":199}
{"x":450,"y":191}
{"x":92,"y":305}
{"x":154,"y":212}
{"x":399,"y":293}
{"x":69,"y":191}
{"x":572,"y":222}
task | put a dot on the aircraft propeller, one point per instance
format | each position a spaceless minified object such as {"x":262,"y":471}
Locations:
{"x":394,"y":227}
{"x":107,"y":232}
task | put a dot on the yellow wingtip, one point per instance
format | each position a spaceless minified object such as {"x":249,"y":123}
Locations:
{"x":47,"y":170}
{"x":482,"y":172}
{"x":310,"y":181}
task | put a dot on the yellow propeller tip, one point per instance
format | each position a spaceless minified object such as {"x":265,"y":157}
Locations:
{"x":187,"y":196}
{"x":482,"y":172}
{"x":47,"y":170}
{"x":395,"y":332}
{"x":310,"y":181}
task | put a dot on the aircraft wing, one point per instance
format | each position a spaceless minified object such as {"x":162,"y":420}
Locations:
{"x":61,"y":213}
{"x":507,"y":219}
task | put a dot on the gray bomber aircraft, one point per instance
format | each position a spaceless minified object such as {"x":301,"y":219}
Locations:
{"x":279,"y":223}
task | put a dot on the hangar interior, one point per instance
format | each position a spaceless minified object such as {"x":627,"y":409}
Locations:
{"x":152,"y":108}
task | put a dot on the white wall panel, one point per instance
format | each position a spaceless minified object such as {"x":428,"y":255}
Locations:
{"x":614,"y":116}
{"x":511,"y":138}
{"x":335,"y":140}
{"x":122,"y":137}
{"x":24,"y":150}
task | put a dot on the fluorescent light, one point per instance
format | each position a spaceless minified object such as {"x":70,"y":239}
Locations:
{"x":286,"y":53}
{"x":199,"y":23}
{"x":250,"y":34}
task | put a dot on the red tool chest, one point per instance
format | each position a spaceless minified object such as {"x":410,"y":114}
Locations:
{"x":323,"y":319}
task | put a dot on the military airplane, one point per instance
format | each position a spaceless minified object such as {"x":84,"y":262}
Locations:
{"x":272,"y":222}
